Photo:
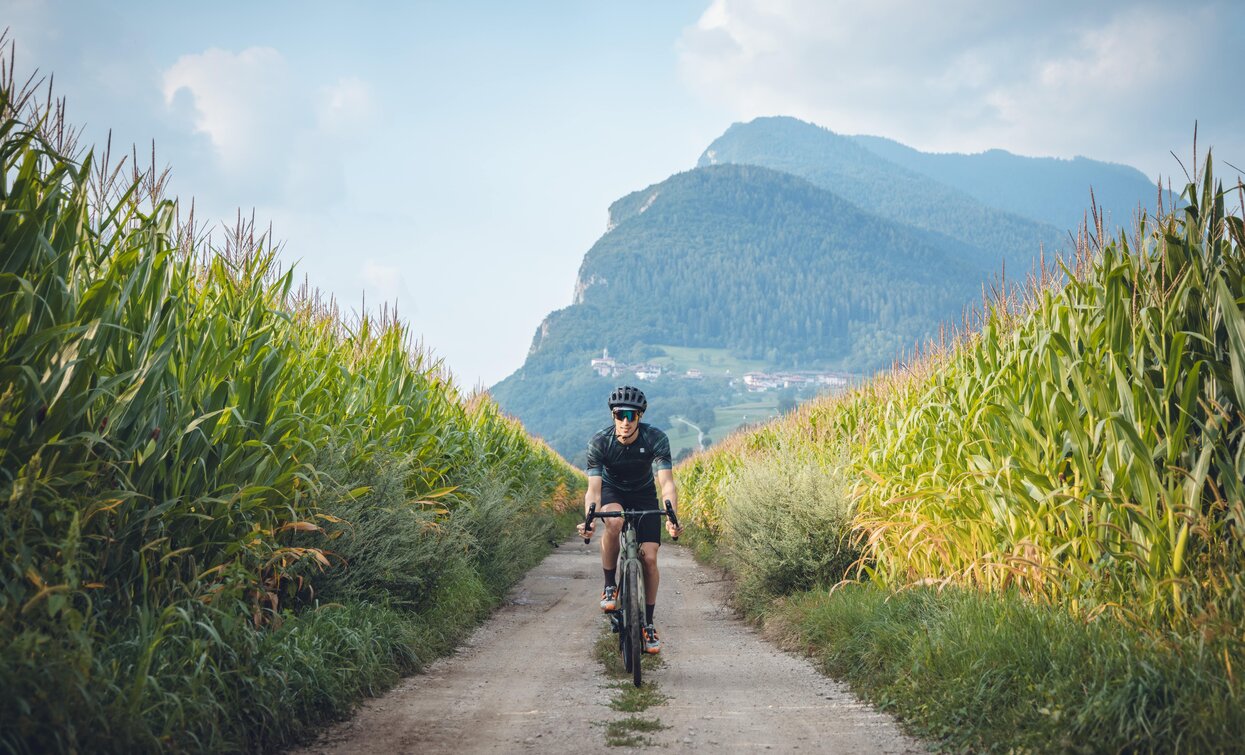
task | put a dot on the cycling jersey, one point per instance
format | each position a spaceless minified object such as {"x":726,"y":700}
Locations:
{"x":629,"y":468}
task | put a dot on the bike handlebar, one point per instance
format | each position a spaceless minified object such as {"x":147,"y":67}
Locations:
{"x":588,"y":522}
{"x":594,"y":514}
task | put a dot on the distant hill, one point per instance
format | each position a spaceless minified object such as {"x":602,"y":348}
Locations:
{"x":789,"y":247}
{"x":1048,"y":189}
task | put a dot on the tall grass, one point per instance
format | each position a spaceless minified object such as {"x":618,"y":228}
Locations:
{"x":193,"y":449}
{"x":993,"y":672}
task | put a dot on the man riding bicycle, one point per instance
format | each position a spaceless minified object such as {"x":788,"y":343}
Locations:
{"x":621,"y":459}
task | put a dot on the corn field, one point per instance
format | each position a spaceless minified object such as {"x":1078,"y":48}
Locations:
{"x":166,"y":401}
{"x":1084,"y":442}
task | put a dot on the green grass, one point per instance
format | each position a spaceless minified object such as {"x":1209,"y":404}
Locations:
{"x":681,"y":437}
{"x":632,"y":699}
{"x":193,"y":679}
{"x":195,"y":676}
{"x":628,"y":732}
{"x":995,"y":672}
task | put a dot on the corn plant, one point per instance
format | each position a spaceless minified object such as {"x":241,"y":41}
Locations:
{"x":164,"y":399}
{"x":1084,"y":442}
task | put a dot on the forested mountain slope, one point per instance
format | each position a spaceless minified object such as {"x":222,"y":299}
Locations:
{"x":769,"y":265}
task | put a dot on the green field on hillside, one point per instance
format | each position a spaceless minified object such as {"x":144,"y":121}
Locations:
{"x":712,"y":362}
{"x":762,"y":407}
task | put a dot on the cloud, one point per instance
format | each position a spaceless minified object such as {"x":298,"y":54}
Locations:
{"x":243,"y":102}
{"x":1061,"y":78}
{"x":345,"y":106}
{"x":280,"y":136}
{"x":384,"y":283}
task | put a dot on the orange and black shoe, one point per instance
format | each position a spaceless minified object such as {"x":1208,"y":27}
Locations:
{"x":652,"y":644}
{"x":609,"y":599}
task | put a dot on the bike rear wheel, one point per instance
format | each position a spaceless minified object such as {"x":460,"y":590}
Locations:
{"x":633,"y":622}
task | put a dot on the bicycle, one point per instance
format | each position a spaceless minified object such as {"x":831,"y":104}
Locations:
{"x":628,"y":618}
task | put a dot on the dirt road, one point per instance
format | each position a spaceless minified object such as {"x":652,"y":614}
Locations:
{"x":527,"y":680}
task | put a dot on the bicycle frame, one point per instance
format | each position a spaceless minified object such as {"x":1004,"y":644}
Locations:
{"x":627,"y":618}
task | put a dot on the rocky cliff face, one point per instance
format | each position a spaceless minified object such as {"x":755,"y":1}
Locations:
{"x":583,"y":284}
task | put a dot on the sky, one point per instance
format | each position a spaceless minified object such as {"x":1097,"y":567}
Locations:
{"x":459,"y":158}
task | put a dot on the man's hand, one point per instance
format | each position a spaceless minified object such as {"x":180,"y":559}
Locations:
{"x":584,"y":531}
{"x":674,"y":530}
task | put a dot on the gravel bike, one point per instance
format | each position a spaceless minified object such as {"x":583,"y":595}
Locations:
{"x":628,"y":618}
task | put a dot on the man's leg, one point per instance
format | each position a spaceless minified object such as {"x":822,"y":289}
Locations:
{"x":652,"y":578}
{"x":609,"y":556}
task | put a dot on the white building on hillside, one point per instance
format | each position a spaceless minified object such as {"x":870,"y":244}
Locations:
{"x":647,"y":371}
{"x":605,"y":366}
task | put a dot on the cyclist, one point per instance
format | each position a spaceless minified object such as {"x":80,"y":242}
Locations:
{"x":621,"y":459}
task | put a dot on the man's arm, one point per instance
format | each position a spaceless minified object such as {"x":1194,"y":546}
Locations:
{"x":595,"y":462}
{"x":669,"y":492}
{"x":592,"y":496}
{"x":594,"y":492}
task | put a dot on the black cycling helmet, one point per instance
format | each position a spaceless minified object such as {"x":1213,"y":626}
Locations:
{"x":628,"y":397}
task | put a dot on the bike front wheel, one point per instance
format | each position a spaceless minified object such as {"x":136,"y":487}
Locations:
{"x":633,"y":612}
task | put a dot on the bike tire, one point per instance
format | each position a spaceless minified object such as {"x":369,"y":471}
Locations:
{"x":635,"y":618}
{"x":624,"y":643}
{"x":624,"y":614}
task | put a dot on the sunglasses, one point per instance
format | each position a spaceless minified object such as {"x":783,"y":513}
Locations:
{"x":626,"y":415}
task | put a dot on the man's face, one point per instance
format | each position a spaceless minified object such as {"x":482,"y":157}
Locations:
{"x":625,"y":420}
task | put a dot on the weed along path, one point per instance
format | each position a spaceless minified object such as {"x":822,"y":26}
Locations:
{"x":528,"y":680}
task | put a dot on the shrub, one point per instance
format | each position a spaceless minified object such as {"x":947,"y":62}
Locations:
{"x":787,"y":527}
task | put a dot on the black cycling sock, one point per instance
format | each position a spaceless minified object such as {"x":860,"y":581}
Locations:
{"x":609,"y":577}
{"x":648,"y":613}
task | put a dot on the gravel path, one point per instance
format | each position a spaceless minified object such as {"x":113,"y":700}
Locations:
{"x":527,"y":680}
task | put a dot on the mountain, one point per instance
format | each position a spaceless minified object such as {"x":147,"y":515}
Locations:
{"x":788,"y":249}
{"x":770,"y":266}
{"x":842,"y":165}
{"x":1049,"y":191}
{"x":744,"y":259}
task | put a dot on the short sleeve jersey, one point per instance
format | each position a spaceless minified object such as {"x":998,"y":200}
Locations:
{"x":628,"y":468}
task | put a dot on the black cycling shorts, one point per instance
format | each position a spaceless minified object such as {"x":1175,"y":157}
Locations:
{"x":648,"y":528}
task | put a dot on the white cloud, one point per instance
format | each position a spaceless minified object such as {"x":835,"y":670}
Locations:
{"x":276,"y":135}
{"x":345,"y":105}
{"x":383,"y":283}
{"x":243,"y":102}
{"x":1115,"y":80}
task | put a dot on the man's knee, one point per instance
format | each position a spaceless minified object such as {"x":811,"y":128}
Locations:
{"x":613,"y":525}
{"x":648,"y":554}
